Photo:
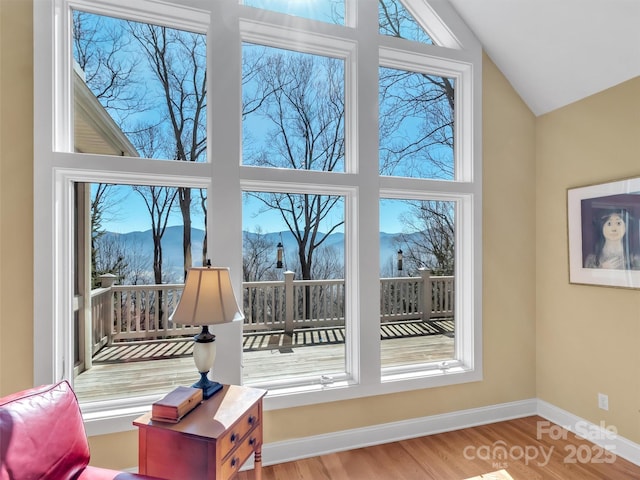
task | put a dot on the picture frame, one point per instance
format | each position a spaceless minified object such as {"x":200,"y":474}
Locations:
{"x":604,"y":234}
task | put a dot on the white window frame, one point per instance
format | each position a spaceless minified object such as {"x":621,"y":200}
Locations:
{"x":227,"y":24}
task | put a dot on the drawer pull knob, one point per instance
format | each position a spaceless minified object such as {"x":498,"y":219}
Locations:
{"x":234,"y":437}
{"x":251,"y":419}
{"x":234,"y":461}
{"x":252,"y":441}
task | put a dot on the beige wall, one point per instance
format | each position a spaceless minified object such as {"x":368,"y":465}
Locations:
{"x":509,"y":263}
{"x":16,"y":196}
{"x":587,"y":336}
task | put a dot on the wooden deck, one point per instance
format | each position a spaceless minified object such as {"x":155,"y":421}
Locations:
{"x":154,"y":368}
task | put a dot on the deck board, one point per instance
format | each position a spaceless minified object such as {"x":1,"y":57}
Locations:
{"x":154,"y":368}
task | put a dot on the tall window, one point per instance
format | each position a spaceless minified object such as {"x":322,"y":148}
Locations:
{"x":329,"y":156}
{"x":417,"y":286}
{"x":294,"y":288}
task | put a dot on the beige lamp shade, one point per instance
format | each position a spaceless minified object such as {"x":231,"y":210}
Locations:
{"x":207,"y":298}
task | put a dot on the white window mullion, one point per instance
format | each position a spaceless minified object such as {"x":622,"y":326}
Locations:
{"x":49,"y":38}
{"x":224,"y":199}
{"x":367,"y":243}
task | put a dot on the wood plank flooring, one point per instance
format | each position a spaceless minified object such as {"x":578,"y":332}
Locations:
{"x":471,"y":453}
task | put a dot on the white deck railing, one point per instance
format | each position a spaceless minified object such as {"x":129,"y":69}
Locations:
{"x":416,"y":298}
{"x":142,"y":312}
{"x":292,"y":304}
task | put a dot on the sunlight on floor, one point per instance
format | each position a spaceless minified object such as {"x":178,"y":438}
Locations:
{"x":497,"y":475}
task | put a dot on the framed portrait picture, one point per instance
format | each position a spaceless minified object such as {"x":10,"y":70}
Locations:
{"x":604,"y":234}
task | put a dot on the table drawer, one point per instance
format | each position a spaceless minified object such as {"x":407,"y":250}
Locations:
{"x":234,"y":461}
{"x":238,"y":432}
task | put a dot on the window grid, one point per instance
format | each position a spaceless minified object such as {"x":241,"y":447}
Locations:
{"x":225,"y":179}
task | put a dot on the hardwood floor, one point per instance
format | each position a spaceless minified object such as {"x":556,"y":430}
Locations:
{"x":530,"y":452}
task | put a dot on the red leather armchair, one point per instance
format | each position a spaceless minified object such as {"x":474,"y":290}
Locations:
{"x":42,"y":436}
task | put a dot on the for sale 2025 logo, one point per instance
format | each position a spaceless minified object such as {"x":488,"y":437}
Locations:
{"x":500,"y":453}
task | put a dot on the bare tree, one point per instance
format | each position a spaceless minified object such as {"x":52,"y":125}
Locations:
{"x":123,"y":258}
{"x":394,"y":20}
{"x":99,"y":203}
{"x":178,"y":62}
{"x":425,"y":104}
{"x":257,"y":256}
{"x":304,"y":214}
{"x":159,"y":201}
{"x":388,"y":267}
{"x":109,"y":258}
{"x":328,"y":263}
{"x":254,"y":91}
{"x":305,"y":107}
{"x":138,"y":263}
{"x":432,"y":243}
{"x":203,"y":205}
{"x":103,"y":53}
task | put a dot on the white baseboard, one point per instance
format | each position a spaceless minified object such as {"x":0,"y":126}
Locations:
{"x":602,"y":435}
{"x":295,"y":449}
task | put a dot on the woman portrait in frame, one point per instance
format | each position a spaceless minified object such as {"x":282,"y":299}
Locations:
{"x":612,"y":248}
{"x":604,"y":234}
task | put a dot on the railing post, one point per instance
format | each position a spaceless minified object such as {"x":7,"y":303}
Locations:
{"x":107,"y":280}
{"x":288,"y":302}
{"x":427,"y":293}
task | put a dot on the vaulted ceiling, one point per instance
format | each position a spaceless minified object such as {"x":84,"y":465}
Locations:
{"x":555,"y":52}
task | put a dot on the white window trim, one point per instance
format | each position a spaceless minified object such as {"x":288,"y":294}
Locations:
{"x":54,"y":173}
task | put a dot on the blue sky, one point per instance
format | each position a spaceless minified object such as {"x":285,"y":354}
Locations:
{"x":314,"y":9}
{"x":129,"y":214}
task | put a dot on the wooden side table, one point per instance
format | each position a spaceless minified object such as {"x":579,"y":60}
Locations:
{"x":211,"y":442}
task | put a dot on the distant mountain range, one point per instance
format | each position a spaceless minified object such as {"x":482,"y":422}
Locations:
{"x":141,"y":243}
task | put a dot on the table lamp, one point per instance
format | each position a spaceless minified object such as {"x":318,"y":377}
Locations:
{"x":207,"y":299}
